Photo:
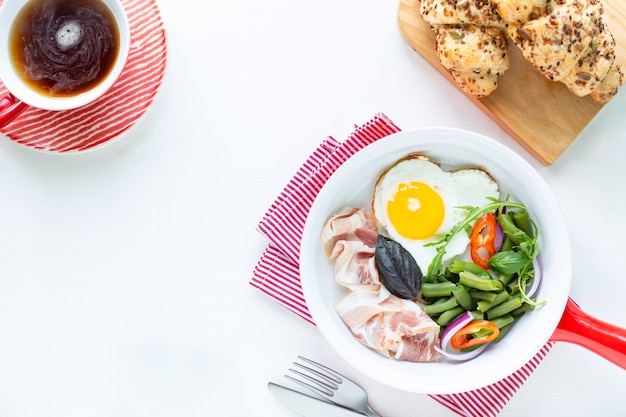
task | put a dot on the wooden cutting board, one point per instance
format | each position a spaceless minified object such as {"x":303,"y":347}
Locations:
{"x":542,"y":115}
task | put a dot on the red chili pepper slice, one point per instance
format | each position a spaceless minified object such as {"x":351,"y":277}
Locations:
{"x":482,"y":240}
{"x":464,"y":338}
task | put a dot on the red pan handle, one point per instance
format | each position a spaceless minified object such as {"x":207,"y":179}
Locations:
{"x":580,"y":328}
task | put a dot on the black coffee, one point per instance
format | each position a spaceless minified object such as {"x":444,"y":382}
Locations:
{"x":64,"y":47}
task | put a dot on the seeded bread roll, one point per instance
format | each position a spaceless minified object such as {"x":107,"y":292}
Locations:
{"x":476,"y":12}
{"x":567,"y":41}
{"x":609,"y":87}
{"x":475,"y":56}
{"x":470,"y":42}
{"x":521,"y":11}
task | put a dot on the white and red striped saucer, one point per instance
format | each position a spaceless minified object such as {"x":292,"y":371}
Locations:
{"x":119,"y":109}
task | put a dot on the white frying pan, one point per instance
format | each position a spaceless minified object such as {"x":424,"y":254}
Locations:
{"x":559,"y":320}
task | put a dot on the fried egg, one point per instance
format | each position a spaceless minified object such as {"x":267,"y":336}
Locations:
{"x":417,"y":203}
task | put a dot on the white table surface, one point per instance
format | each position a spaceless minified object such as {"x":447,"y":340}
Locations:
{"x":124,"y":271}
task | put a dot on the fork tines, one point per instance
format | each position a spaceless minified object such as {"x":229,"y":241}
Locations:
{"x":321,"y":380}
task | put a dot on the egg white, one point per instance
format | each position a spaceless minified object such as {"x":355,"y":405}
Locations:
{"x":464,"y":187}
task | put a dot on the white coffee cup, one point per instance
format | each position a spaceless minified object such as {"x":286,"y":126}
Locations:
{"x":22,"y":95}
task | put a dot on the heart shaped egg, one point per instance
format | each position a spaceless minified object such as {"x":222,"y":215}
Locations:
{"x":417,"y":202}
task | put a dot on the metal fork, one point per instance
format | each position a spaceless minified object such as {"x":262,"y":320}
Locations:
{"x":331,"y":386}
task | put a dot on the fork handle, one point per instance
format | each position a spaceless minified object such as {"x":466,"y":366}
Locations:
{"x":371,"y":413}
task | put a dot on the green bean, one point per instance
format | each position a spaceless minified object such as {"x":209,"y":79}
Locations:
{"x":504,"y":330}
{"x":440,"y":289}
{"x":505,"y":279}
{"x":521,"y":310}
{"x":482,"y":332}
{"x":501,"y":297}
{"x":507,"y":243}
{"x":509,"y":227}
{"x":447,"y":316}
{"x":484,"y":295}
{"x":441,"y":279}
{"x":504,"y":308}
{"x":514,"y":286}
{"x":450,"y":276}
{"x":477,"y":315}
{"x":503,"y":320}
{"x":464,"y":298}
{"x":440,"y":306}
{"x":522,"y":220}
{"x":459,"y":266}
{"x":474,"y":281}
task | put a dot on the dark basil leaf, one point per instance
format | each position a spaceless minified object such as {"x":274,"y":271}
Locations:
{"x":508,"y":262}
{"x":397,"y":269}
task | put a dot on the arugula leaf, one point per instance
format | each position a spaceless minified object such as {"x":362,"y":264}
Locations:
{"x":436,"y":267}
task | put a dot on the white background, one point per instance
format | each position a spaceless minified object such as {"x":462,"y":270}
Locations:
{"x":124,"y":271}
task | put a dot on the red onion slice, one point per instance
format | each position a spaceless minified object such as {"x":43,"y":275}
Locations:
{"x":497,"y":243}
{"x":455,"y":354}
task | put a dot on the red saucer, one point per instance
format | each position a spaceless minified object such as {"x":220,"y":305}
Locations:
{"x":119,"y":109}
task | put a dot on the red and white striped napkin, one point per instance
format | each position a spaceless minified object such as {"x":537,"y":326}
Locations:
{"x":119,"y":109}
{"x":277,"y":273}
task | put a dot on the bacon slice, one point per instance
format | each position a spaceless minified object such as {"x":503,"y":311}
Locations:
{"x":358,"y":307}
{"x":349,"y":237}
{"x":350,"y":223}
{"x":389,"y":325}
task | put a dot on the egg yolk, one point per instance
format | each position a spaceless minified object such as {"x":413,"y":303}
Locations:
{"x":416,"y":210}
